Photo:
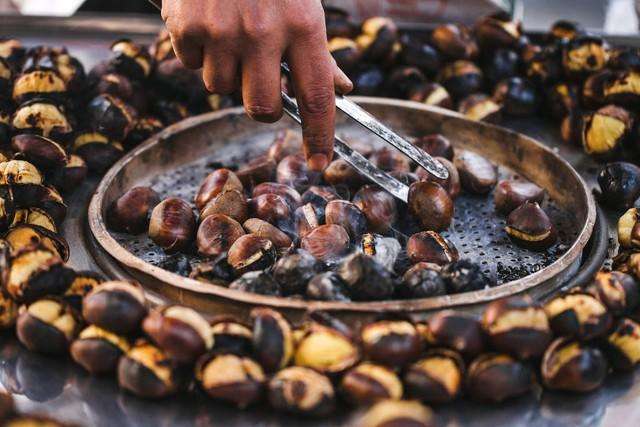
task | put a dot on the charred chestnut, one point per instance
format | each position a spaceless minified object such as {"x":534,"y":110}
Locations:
{"x":251,"y":252}
{"x":455,"y":41}
{"x":231,"y":378}
{"x":578,"y":315}
{"x":98,"y":350}
{"x":618,"y":291}
{"x":326,"y":242}
{"x":571,"y":128}
{"x":378,"y":206}
{"x":41,"y":117}
{"x":391,"y":412}
{"x":116,"y":306}
{"x":517,"y":326}
{"x":318,"y":196}
{"x":368,"y":382}
{"x":384,"y":250}
{"x":146,"y":371}
{"x":585,"y":55}
{"x":530,"y":227}
{"x":391,"y":342}
{"x":477,"y":174}
{"x":327,"y":287}
{"x":294,"y":271}
{"x":562,"y":99}
{"x":423,"y":283}
{"x":325,"y":350}
{"x":97,"y":150}
{"x":622,"y":346}
{"x":47,"y":325}
{"x":172,"y":225}
{"x":605,"y":130}
{"x":144,"y":128}
{"x":24,"y":237}
{"x":111,"y":116}
{"x":620,"y":184}
{"x":512,"y":193}
{"x":130,"y":59}
{"x":461,"y":78}
{"x":629,"y":229}
{"x":181,"y":332}
{"x":622,"y":89}
{"x":302,"y":391}
{"x":573,"y":366}
{"x":231,"y":203}
{"x":498,"y":30}
{"x":35,"y":216}
{"x":257,"y":282}
{"x":216,"y":182}
{"x":543,"y":66}
{"x":415,"y":52}
{"x":431,"y":205}
{"x":272,"y":339}
{"x":365,"y":278}
{"x":231,"y":337}
{"x":517,"y":96}
{"x":265,"y":230}
{"x":377,"y":39}
{"x":435,"y":378}
{"x":429,"y":246}
{"x":502,"y":64}
{"x":457,"y":331}
{"x":593,"y":95}
{"x":496,"y":377}
{"x":563,"y":30}
{"x":83,"y":283}
{"x":345,"y":52}
{"x":131,"y":211}
{"x":39,"y":83}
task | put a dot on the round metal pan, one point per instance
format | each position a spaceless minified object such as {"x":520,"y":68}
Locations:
{"x":229,"y":134}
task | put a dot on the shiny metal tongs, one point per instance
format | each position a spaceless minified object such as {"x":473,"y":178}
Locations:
{"x":357,"y":160}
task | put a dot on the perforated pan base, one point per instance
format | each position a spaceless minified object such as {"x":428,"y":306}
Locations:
{"x":477,"y":230}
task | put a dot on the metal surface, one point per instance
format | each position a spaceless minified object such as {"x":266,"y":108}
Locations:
{"x":230,"y":137}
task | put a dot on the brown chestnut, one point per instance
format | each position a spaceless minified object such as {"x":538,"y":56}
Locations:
{"x":42,"y":117}
{"x":455,"y":41}
{"x":251,"y":252}
{"x":345,"y":51}
{"x":455,"y":330}
{"x":305,"y":220}
{"x":619,"y":184}
{"x":377,"y":39}
{"x":301,"y":391}
{"x":97,"y":149}
{"x":216,"y":234}
{"x":272,"y":339}
{"x":263,"y":229}
{"x":431,"y":205}
{"x":461,"y":78}
{"x":436,"y":145}
{"x":368,"y":382}
{"x":390,"y":160}
{"x":291,"y":196}
{"x":43,"y":152}
{"x":622,"y":345}
{"x":431,"y":247}
{"x":231,"y":378}
{"x":257,"y":282}
{"x":218,"y":181}
{"x":498,"y":30}
{"x":325,"y":350}
{"x":618,"y":291}
{"x":530,"y":227}
{"x":231,"y":203}
{"x":578,"y":314}
{"x":47,"y":325}
{"x":391,"y":342}
{"x":365,"y":278}
{"x":433,"y":94}
{"x":495,"y":377}
{"x":477,"y":174}
{"x":326,"y":242}
{"x":629,"y":229}
{"x":573,"y":366}
{"x":131,"y":211}
{"x":435,"y":378}
{"x":392,"y":412}
{"x":480,"y":107}
{"x":293,"y":171}
{"x":231,"y":337}
{"x":116,"y":306}
{"x":378,"y":206}
{"x":172,"y":225}
{"x":511,"y":193}
{"x":98,"y":350}
{"x":111,"y":116}
{"x":294,"y":271}
{"x":346,"y":214}
{"x":285,"y":143}
{"x":451,"y":184}
{"x":257,"y":171}
{"x":271,"y":208}
{"x":339,"y":172}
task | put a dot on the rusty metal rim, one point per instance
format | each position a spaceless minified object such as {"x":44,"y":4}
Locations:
{"x":111,"y":246}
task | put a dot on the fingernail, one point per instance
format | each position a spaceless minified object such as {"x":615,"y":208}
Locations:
{"x":318,"y":162}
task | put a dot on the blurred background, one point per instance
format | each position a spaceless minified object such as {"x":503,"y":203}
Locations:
{"x":605,"y":16}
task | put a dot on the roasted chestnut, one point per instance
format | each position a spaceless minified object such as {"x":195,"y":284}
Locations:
{"x":39,"y":83}
{"x":422,"y":283}
{"x":271,"y":208}
{"x":231,"y":378}
{"x":517,"y":326}
{"x":477,"y":174}
{"x":294,"y":271}
{"x":431,"y":205}
{"x":272,"y":339}
{"x":543,"y":66}
{"x":325,"y":350}
{"x":480,"y":107}
{"x":111,"y":116}
{"x":512,"y":193}
{"x":306,"y":219}
{"x":291,"y":196}
{"x":435,"y":378}
{"x":35,"y":216}
{"x":579,"y":315}
{"x":563,"y":30}
{"x":231,"y":337}
{"x":377,"y":39}
{"x":130,"y":59}
{"x":83,"y":283}
{"x":629,"y":229}
{"x":618,"y":291}
{"x":573,"y":366}
{"x":116,"y":306}
{"x":584,"y":55}
{"x":530,"y":227}
{"x":365,"y":278}
{"x":144,"y":128}
{"x":619,"y":184}
{"x":24,"y":237}
{"x":622,"y":345}
{"x":501,"y":64}
{"x":436,"y":145}
{"x":562,"y":99}
{"x":461,"y":78}
{"x":257,"y":282}
{"x":392,"y":412}
{"x":146,"y":371}
{"x":327,"y":287}
{"x":47,"y":325}
{"x":339,"y":172}
{"x":98,"y":350}
{"x":318,"y":196}
{"x":251,"y":252}
{"x":605,"y":130}
{"x":71,"y":175}
{"x":345,"y":52}
{"x":172,"y":225}
{"x":348,"y":215}
{"x":301,"y":391}
{"x":6,"y":79}
{"x":455,"y":330}
{"x":368,"y":80}
{"x":218,"y":181}
{"x":622,"y":89}
{"x":455,"y":41}
{"x":97,"y":150}
{"x":571,"y":128}
{"x":293,"y":171}
{"x":231,"y":203}
{"x":593,"y":88}
{"x":517,"y":96}
{"x":384,"y":250}
{"x":326,"y":242}
{"x":391,"y":342}
{"x":368,"y":382}
{"x":43,"y":152}
{"x":495,"y":377}
{"x":390,"y":160}
{"x":41,"y":117}
{"x":429,"y":246}
{"x":131,"y":211}
{"x":263,"y":229}
{"x":415,"y":52}
{"x":378,"y":206}
{"x":498,"y":30}
{"x":433,"y":94}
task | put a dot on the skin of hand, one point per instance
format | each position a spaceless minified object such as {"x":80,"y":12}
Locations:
{"x":249,"y":38}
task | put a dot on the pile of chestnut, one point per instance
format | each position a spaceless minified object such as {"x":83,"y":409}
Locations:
{"x":492,"y":69}
{"x":274,"y":227}
{"x":570,"y":342}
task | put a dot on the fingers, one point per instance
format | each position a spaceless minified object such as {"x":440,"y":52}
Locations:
{"x":219,"y":71}
{"x":341,"y":82}
{"x":313,"y":79}
{"x":261,"y":84}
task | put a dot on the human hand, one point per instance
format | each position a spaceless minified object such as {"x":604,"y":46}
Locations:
{"x":250,"y":38}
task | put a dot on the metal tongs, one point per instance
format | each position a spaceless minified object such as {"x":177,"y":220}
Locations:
{"x":357,"y":160}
